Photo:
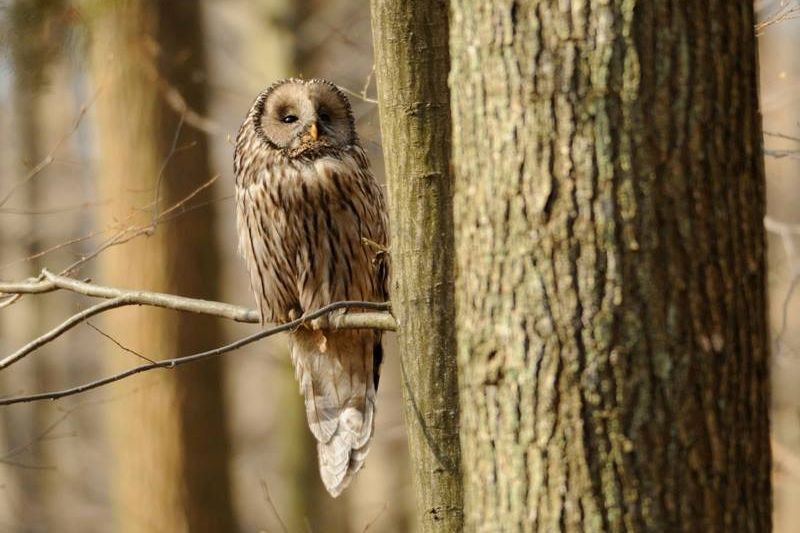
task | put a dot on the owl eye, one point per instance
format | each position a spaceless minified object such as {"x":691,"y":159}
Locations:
{"x":288,"y":119}
{"x":324,"y":117}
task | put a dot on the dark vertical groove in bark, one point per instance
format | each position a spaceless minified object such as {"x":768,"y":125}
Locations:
{"x":610,"y":257}
{"x":411,"y":64}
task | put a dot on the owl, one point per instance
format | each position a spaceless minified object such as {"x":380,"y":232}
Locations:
{"x":312,"y":229}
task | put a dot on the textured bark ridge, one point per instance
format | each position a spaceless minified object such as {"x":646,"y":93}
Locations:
{"x":411,"y":64}
{"x":610,"y":294}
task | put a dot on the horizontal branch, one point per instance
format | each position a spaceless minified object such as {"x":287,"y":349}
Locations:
{"x":50,"y":282}
{"x":62,"y":328}
{"x":379,"y":318}
{"x":377,"y":321}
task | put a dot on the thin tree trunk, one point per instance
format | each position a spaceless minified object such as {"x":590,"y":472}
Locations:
{"x":610,"y":292}
{"x":411,"y":64}
{"x":169,"y":430}
{"x":32,"y":48}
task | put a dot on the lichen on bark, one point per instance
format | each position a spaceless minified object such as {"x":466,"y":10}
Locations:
{"x":611,"y":330}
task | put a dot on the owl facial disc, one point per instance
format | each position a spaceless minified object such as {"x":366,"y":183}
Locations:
{"x":306,"y":118}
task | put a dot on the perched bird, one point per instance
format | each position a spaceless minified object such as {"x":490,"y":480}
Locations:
{"x":312,"y":228}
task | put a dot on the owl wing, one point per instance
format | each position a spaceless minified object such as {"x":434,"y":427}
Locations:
{"x":266,"y":243}
{"x":339,"y":371}
{"x":312,"y":235}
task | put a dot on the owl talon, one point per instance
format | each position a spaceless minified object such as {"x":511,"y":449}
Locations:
{"x":379,"y":248}
{"x":318,"y":324}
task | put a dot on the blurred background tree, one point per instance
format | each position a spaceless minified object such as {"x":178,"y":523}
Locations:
{"x":34,"y":43}
{"x":169,"y":430}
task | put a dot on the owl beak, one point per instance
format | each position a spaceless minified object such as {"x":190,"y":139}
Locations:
{"x":312,"y":131}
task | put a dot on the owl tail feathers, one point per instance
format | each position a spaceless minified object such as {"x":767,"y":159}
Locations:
{"x":336,"y":378}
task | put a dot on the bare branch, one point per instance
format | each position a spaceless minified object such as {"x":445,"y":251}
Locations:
{"x":51,"y":282}
{"x":781,"y":228}
{"x":785,"y":12}
{"x":781,"y":136}
{"x":267,"y":497}
{"x":376,"y":518}
{"x":125,"y":234}
{"x":59,"y":330}
{"x":50,"y":157}
{"x":58,"y":246}
{"x":119,"y":344}
{"x":381,"y":321}
{"x":172,"y":151}
{"x":131,"y":232}
{"x":358,"y":95}
{"x":9,"y":301}
{"x":781,"y":154}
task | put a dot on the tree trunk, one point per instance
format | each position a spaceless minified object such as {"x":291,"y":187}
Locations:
{"x":411,"y":64}
{"x":610,"y":292}
{"x":168,"y":429}
{"x":32,"y":48}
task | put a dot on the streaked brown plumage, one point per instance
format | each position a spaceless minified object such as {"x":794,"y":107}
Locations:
{"x":309,"y":215}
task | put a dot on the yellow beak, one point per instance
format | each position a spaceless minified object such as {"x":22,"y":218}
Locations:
{"x":312,"y":131}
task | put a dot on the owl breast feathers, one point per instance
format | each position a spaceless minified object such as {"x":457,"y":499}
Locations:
{"x":311,"y":221}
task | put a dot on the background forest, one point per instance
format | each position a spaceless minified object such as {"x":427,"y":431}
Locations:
{"x":77,"y":193}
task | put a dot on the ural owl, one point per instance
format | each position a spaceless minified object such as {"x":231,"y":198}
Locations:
{"x":312,"y":223}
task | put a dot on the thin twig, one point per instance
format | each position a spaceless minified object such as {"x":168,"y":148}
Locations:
{"x":40,"y":437}
{"x":781,"y":136}
{"x":62,"y":328}
{"x":58,"y":246}
{"x":49,"y":211}
{"x":50,"y":157}
{"x":172,"y":151}
{"x":357,"y":95}
{"x":781,"y":154}
{"x":50,"y":282}
{"x":132,"y":232}
{"x":119,"y":344}
{"x":9,"y":301}
{"x":376,"y":518}
{"x":267,"y":496}
{"x":368,"y":81}
{"x":786,"y":12}
{"x":381,"y":321}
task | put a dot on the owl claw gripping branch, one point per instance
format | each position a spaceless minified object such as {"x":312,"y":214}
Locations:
{"x":306,"y":204}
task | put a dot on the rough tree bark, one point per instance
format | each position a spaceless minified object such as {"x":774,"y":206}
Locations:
{"x":610,"y":292}
{"x":169,"y":431}
{"x":411,"y":64}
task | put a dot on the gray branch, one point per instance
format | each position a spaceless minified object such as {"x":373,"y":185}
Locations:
{"x":49,"y":282}
{"x":381,"y":323}
{"x":371,"y":315}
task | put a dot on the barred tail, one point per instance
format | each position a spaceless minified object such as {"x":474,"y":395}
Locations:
{"x":338,"y":374}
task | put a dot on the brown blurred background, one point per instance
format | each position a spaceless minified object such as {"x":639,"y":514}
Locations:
{"x":103,"y":103}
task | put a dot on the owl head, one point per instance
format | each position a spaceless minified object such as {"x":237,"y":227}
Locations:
{"x":304,"y":118}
